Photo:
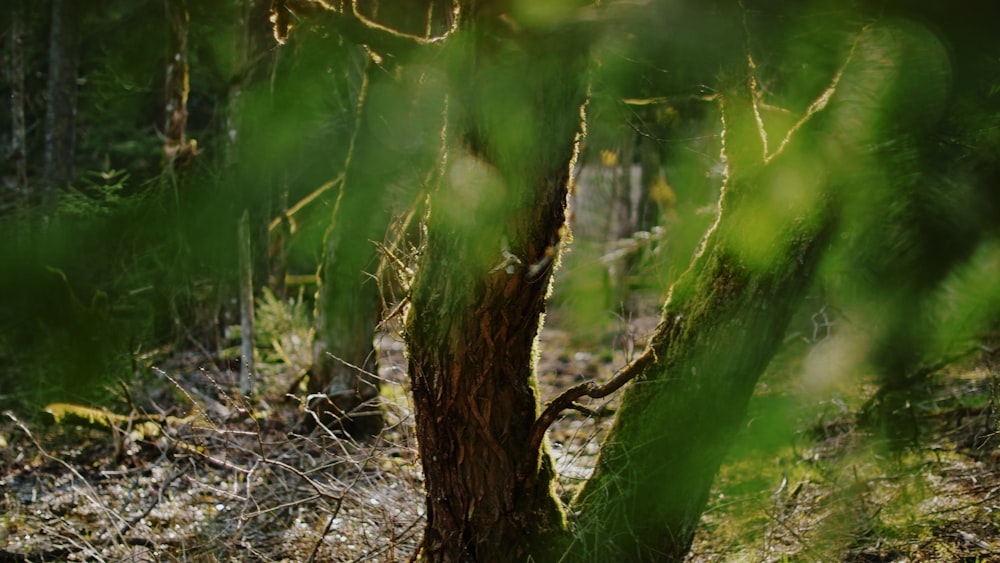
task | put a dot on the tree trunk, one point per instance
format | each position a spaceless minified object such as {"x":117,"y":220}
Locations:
{"x":493,"y":231}
{"x":178,"y":152}
{"x":723,"y":321}
{"x":18,"y":137}
{"x":60,"y":116}
{"x":393,"y":147}
{"x":646,"y":213}
{"x":495,"y":228}
{"x":245,"y":268}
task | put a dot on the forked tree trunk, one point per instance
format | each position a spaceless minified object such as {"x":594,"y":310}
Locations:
{"x":493,"y":237}
{"x":474,"y":314}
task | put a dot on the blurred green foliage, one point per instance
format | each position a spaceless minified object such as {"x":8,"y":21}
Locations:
{"x":131,"y":258}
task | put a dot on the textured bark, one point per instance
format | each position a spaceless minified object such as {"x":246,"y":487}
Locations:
{"x":18,"y":137}
{"x":493,"y":236}
{"x":60,"y":116}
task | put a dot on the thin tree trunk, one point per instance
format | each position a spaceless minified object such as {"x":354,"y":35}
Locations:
{"x":60,"y":116}
{"x":247,"y":369}
{"x":237,"y":83}
{"x":247,"y":103}
{"x":646,"y":216}
{"x":177,"y":150}
{"x":18,"y":137}
{"x":495,"y":229}
{"x":278,"y":239}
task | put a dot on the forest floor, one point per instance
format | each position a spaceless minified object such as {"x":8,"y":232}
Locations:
{"x":807,"y":480}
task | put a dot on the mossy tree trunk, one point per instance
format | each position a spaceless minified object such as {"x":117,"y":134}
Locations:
{"x":723,"y":321}
{"x":726,"y":315}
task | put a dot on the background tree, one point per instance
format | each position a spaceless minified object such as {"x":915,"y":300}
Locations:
{"x":60,"y":119}
{"x":18,"y":133}
{"x":392,"y":153}
{"x":178,"y":151}
{"x":121,"y":227}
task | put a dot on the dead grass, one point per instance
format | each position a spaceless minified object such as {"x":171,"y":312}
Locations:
{"x":239,"y":484}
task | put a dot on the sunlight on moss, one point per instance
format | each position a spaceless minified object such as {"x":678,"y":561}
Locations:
{"x":787,"y":196}
{"x":838,"y":495}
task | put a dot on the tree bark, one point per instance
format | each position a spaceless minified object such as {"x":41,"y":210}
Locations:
{"x":178,"y":151}
{"x":495,"y":228}
{"x":18,"y":137}
{"x":60,"y":116}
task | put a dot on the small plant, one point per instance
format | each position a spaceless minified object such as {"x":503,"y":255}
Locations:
{"x":100,"y":193}
{"x":283,"y":336}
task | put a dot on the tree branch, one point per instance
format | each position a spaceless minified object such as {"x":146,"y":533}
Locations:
{"x":820,"y":102}
{"x":568,"y":398}
{"x":356,"y":28}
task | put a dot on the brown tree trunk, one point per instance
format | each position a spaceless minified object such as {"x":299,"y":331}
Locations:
{"x":60,"y":116}
{"x":495,"y":229}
